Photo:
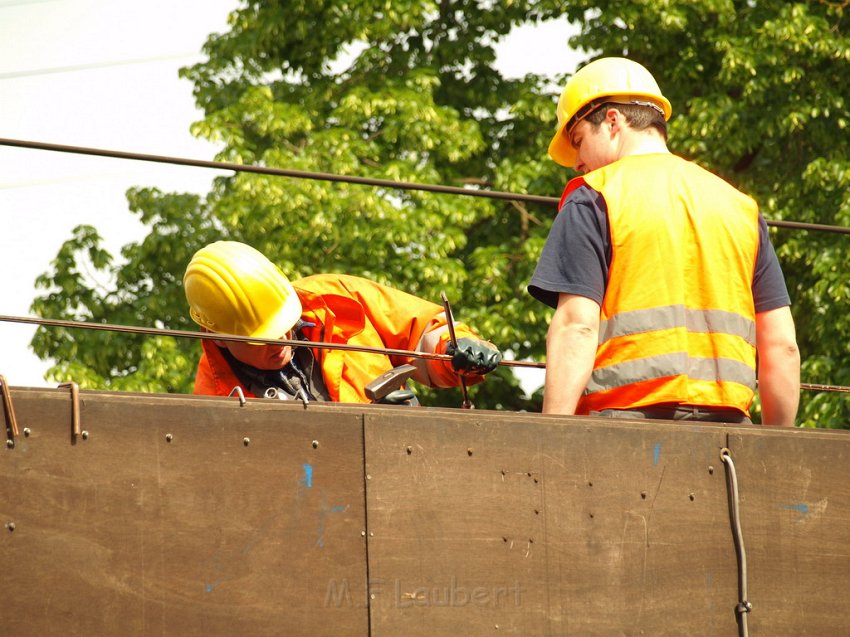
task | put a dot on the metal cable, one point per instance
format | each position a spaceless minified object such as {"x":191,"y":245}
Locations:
{"x":365,"y":181}
{"x":155,"y":331}
{"x":281,"y":172}
{"x":743,"y":607}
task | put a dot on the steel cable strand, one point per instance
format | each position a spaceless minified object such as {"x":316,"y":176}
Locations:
{"x":333,"y":177}
{"x":743,"y":607}
{"x":156,"y":331}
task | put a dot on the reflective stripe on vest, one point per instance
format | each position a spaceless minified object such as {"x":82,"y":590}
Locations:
{"x":683,"y":245}
{"x":666,"y":365}
{"x":672,"y":316}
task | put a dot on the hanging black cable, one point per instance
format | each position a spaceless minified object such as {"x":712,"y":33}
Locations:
{"x":743,"y":607}
{"x":365,"y":181}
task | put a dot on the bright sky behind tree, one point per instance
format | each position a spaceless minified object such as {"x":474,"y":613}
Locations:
{"x":103,"y":74}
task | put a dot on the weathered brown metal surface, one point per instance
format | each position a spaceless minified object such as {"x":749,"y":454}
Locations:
{"x":795,"y":514}
{"x":190,"y":516}
{"x":173,"y":516}
{"x":523,"y":525}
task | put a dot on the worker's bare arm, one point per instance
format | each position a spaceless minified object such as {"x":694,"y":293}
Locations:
{"x":778,"y":367}
{"x":570,"y":351}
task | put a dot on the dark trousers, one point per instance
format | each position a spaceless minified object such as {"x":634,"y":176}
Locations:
{"x":678,"y":412}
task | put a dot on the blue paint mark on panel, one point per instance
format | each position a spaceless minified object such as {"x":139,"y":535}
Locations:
{"x":656,"y":453}
{"x":799,"y":508}
{"x":307,"y":480}
{"x":209,"y":588}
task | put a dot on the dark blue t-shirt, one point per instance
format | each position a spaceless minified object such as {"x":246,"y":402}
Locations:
{"x":577,"y":254}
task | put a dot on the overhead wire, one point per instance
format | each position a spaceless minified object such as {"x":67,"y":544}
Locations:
{"x":11,"y":75}
{"x":334,"y":177}
{"x":280,"y":172}
{"x":158,"y":331}
{"x":17,"y":3}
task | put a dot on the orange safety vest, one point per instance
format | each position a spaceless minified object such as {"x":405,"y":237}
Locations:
{"x":349,"y":309}
{"x":677,"y":323}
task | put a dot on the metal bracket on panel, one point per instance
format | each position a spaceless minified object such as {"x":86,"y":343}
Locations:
{"x":76,"y":429}
{"x":238,"y":391}
{"x":9,"y":410}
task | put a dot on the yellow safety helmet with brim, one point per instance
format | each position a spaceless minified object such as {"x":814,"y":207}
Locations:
{"x":611,"y":79}
{"x":234,"y":289}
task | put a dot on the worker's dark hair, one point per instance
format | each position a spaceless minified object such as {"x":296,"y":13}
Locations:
{"x":638,"y":116}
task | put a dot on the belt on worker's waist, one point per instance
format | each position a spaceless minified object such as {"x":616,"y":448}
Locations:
{"x":678,"y":412}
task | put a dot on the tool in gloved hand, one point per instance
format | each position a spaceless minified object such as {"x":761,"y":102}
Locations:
{"x":472,"y":356}
{"x":385,"y":389}
{"x":450,"y":323}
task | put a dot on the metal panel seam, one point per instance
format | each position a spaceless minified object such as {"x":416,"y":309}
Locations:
{"x":366,"y":523}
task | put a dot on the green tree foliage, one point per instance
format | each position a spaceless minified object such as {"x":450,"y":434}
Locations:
{"x":420,"y":102}
{"x":759,"y":92}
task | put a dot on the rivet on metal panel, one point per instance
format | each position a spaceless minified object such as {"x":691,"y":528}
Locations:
{"x":409,"y":450}
{"x":84,"y":434}
{"x":169,"y":437}
{"x":363,"y":533}
{"x":238,"y":391}
{"x":469,"y":451}
{"x":710,"y":470}
{"x":10,"y":526}
{"x":10,"y":443}
{"x":75,"y":406}
{"x":371,"y":534}
{"x":643,"y":495}
{"x":12,"y":423}
{"x":691,"y":497}
{"x":246,"y":441}
{"x":368,"y":477}
{"x":27,"y":432}
{"x":315,"y":444}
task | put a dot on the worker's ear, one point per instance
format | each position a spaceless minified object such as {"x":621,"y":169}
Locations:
{"x":614,"y":119}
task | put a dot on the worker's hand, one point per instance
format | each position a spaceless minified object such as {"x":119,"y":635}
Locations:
{"x":474,"y":357}
{"x":397,"y":397}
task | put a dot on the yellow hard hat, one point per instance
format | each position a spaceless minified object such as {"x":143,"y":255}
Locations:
{"x":617,"y":80}
{"x":234,"y":289}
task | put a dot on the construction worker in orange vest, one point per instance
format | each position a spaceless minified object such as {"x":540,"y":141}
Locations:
{"x":234,"y":289}
{"x":662,"y":275}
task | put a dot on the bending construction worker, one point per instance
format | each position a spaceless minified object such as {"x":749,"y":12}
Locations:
{"x":663,"y":276}
{"x":234,"y":289}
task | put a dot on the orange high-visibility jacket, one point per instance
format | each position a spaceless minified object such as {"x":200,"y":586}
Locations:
{"x":349,"y":309}
{"x":677,"y":322}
